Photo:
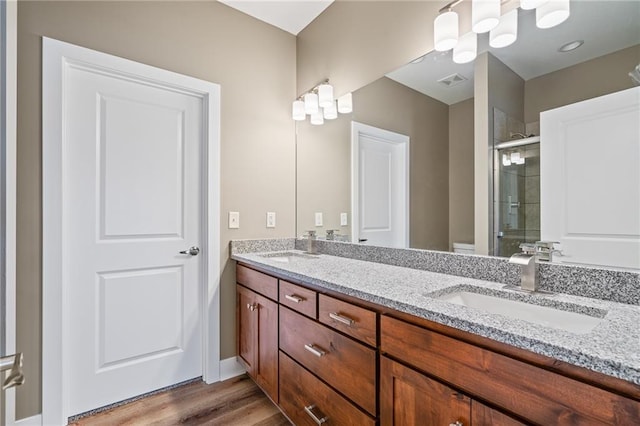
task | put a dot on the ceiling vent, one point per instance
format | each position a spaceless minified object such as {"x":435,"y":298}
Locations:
{"x":452,"y":80}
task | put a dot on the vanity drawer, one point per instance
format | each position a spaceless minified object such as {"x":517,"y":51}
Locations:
{"x":539,"y":395}
{"x":257,"y":281}
{"x":357,"y":322}
{"x":298,"y":298}
{"x":348,"y":366}
{"x":300,"y":389}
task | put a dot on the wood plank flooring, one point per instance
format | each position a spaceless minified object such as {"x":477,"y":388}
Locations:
{"x":236,"y":401}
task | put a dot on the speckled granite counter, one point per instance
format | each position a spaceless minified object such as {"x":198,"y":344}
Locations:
{"x":612,"y":347}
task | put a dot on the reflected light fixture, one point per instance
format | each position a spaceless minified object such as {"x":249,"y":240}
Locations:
{"x":507,"y":30}
{"x":320,"y":104}
{"x":445,"y":31}
{"x":485,"y":15}
{"x":530,"y":4}
{"x":467,"y":48}
{"x":552,"y":13}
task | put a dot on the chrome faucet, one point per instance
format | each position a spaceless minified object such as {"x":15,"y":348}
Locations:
{"x":311,"y":242}
{"x":13,"y":363}
{"x":528,"y":268}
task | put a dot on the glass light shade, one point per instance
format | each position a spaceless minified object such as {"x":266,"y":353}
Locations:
{"x":552,"y":13}
{"x":445,"y":31}
{"x":507,"y":30}
{"x":298,"y":113}
{"x":330,"y":112}
{"x":316,"y":118}
{"x":530,"y":4}
{"x":485,"y":15}
{"x":311,"y":103}
{"x":325,"y":95}
{"x":467,"y":48}
{"x":345,"y":104}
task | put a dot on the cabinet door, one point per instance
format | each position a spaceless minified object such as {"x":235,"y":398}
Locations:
{"x":266,"y":371}
{"x":247,"y":332}
{"x":481,"y":415}
{"x":411,"y":398}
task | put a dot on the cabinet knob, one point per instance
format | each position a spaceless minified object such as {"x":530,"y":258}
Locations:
{"x":251,"y":306}
{"x":457,"y":423}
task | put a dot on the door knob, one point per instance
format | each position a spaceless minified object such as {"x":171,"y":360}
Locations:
{"x":193,"y":251}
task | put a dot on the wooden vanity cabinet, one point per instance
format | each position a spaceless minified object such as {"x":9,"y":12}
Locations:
{"x":257,"y":338}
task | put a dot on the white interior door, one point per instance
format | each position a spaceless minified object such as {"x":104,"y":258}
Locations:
{"x":380,"y":186}
{"x":133,"y":152}
{"x":590,"y":180}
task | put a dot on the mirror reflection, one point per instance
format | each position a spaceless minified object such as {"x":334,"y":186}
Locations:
{"x":344,"y":176}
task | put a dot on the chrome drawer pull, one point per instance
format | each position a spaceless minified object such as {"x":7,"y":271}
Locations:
{"x":314,"y":350}
{"x":251,"y":306}
{"x":342,"y":319}
{"x":315,"y":418}
{"x":293,"y":298}
{"x":457,"y":423}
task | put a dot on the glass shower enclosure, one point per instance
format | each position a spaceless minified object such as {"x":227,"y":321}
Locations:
{"x":516,"y":195}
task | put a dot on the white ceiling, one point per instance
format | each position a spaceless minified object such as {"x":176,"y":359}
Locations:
{"x":290,"y":15}
{"x":605,"y":27}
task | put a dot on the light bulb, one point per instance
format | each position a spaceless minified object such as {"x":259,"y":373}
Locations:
{"x":325,"y":95}
{"x":330,"y":112}
{"x":552,"y":13}
{"x":445,"y":31}
{"x":507,"y":30}
{"x":485,"y":15}
{"x":316,"y":118}
{"x":345,"y":104}
{"x":467,"y":48}
{"x":530,"y":4}
{"x":311,"y":103}
{"x":298,"y":113}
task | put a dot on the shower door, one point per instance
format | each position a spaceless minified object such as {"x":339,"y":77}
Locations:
{"x":516,"y":197}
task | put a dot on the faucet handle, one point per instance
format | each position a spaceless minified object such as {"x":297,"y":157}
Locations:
{"x":546,"y":249}
{"x":528,"y":248}
{"x":310,"y":234}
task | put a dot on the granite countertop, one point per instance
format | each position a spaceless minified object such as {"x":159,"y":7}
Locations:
{"x":612,"y":347}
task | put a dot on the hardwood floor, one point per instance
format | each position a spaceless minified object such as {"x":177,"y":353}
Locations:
{"x":236,"y":401}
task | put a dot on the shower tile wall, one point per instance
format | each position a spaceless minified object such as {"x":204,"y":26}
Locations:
{"x":517,"y":197}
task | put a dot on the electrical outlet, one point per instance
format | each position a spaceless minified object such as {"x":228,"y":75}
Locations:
{"x":319,"y":219}
{"x":271,"y":219}
{"x":343,"y":219}
{"x":234,"y":220}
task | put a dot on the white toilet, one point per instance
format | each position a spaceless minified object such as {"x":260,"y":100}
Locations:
{"x":464,"y":248}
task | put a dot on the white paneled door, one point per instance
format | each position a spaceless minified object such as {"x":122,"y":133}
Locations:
{"x":590,"y":180}
{"x":132,"y":220}
{"x":380,"y":186}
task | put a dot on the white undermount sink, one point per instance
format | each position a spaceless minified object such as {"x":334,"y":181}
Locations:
{"x":286,"y":256}
{"x":573,"y":322}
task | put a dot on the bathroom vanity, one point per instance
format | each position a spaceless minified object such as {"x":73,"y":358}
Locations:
{"x":337,"y":340}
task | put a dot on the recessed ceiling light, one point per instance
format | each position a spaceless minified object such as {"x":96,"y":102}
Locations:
{"x":572,"y":45}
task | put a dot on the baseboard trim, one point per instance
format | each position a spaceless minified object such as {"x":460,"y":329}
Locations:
{"x":231,"y":367}
{"x":30,"y":421}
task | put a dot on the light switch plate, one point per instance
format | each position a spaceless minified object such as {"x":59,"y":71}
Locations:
{"x":343,"y":219}
{"x":319,"y":219}
{"x":234,"y":220}
{"x":271,"y":219}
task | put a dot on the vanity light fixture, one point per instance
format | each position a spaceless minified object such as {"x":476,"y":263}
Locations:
{"x":320,"y":104}
{"x":445,"y":31}
{"x":485,"y":15}
{"x":507,"y":30}
{"x":552,"y":13}
{"x":467,"y":48}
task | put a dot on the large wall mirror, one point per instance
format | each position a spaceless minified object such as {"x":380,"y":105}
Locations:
{"x":433,"y":102}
